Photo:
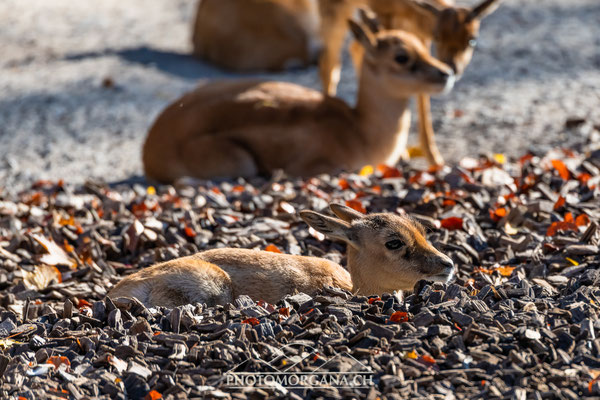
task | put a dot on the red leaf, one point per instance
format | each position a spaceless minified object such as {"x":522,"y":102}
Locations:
{"x":284,"y":311}
{"x":399,"y":317}
{"x":560,"y":226}
{"x":252,"y":321}
{"x":388,"y":172}
{"x":583,"y":177}
{"x":189,"y":232}
{"x":561,"y":168}
{"x":153,"y":395}
{"x":448,"y":203}
{"x":374,"y":299}
{"x":559,"y":203}
{"x":57,"y":361}
{"x":272,"y":248}
{"x":356,"y":205}
{"x":343,"y":184}
{"x":569,"y":218}
{"x":452,"y":223}
{"x":582,"y":220}
{"x":427,"y":359}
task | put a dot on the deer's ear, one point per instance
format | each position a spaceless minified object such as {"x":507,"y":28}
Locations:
{"x":424,"y":6}
{"x":369,"y":19}
{"x":329,"y":226}
{"x":484,"y":9}
{"x":365,"y":38}
{"x":345,"y":213}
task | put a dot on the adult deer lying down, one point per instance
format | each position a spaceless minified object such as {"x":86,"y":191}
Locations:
{"x":452,"y":29}
{"x":386,"y":252}
{"x":247,"y":128}
{"x":247,"y":35}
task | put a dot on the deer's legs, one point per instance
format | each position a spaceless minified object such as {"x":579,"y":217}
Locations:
{"x":426,"y":138}
{"x":217,"y":157}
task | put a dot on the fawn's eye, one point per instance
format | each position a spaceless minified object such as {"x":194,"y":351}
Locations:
{"x":473,"y":42}
{"x":394,"y":244}
{"x":401,"y":58}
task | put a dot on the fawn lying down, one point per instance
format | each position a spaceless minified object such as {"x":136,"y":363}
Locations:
{"x":386,"y":252}
{"x":246,"y":128}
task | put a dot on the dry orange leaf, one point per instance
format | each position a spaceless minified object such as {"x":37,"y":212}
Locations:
{"x":252,"y":321}
{"x":284,"y":311}
{"x":273,"y":248}
{"x":374,"y":299}
{"x":569,"y":218}
{"x":413,"y":354}
{"x":560,"y":226}
{"x":399,"y":317}
{"x":343,"y":184}
{"x":189,"y":232}
{"x":582,"y":220}
{"x":506,"y":270}
{"x":57,"y":361}
{"x":153,"y":395}
{"x":427,"y":359}
{"x":561,"y":168}
{"x":388,"y":172}
{"x":452,"y":223}
{"x":559,"y":203}
{"x":356,"y":205}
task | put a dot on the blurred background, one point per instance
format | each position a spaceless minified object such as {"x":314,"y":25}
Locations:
{"x":81,"y":82}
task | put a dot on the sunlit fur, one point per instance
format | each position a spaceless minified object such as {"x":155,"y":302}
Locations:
{"x":247,"y":35}
{"x":246,"y":127}
{"x":453,"y":30}
{"x":219,"y":276}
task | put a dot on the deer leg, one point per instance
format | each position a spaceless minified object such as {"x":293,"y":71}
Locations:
{"x":209,"y":157}
{"x":426,"y":138}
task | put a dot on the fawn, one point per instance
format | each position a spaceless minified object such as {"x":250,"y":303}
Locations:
{"x":454,"y":31}
{"x":247,"y":128}
{"x":386,"y":253}
{"x":246,"y":35}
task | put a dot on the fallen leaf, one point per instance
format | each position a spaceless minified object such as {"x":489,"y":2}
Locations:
{"x":272,"y":248}
{"x":575,"y":263}
{"x":151,"y":190}
{"x":366,"y":170}
{"x":343,"y":184}
{"x":119,"y":364}
{"x":356,"y":205}
{"x":560,"y":226}
{"x":189,"y":232}
{"x":252,"y":321}
{"x":561,"y":168}
{"x":500,"y":158}
{"x":506,"y":270}
{"x":41,"y":277}
{"x":452,"y":223}
{"x":56,"y":255}
{"x":427,"y":359}
{"x":153,"y":395}
{"x":374,"y":299}
{"x":6,"y":343}
{"x":388,"y":172}
{"x":399,"y":317}
{"x":582,"y":220}
{"x":412,"y":355}
{"x":57,"y":361}
{"x":559,"y":203}
{"x":569,"y":218}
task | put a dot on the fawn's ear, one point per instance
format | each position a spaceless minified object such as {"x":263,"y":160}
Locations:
{"x":424,"y":6}
{"x":484,"y":9}
{"x":369,"y":19}
{"x":329,"y":226}
{"x":365,"y":38}
{"x":345,"y":213}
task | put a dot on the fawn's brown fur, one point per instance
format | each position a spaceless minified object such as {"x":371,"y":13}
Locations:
{"x":386,"y":253}
{"x":246,"y":35}
{"x":452,"y":29}
{"x":247,"y":128}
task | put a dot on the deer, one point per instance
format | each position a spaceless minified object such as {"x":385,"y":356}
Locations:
{"x":247,"y":128}
{"x":453,"y":30}
{"x":386,"y":253}
{"x":252,"y":35}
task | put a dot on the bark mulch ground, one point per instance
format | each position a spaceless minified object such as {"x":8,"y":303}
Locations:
{"x":518,"y":322}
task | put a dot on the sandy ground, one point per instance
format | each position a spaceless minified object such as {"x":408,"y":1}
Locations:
{"x":536,"y":66}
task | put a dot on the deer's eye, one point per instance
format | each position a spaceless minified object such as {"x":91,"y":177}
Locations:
{"x":401,"y":58}
{"x":394,"y":244}
{"x":473,"y":42}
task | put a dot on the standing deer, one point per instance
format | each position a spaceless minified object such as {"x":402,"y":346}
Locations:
{"x":247,"y":127}
{"x":453,"y":30}
{"x":247,"y":35}
{"x":386,"y":253}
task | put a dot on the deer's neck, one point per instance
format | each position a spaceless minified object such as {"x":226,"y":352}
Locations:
{"x":384,"y":121}
{"x":363,"y":281}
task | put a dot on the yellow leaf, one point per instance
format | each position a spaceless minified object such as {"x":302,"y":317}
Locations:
{"x":151,"y":190}
{"x":413,"y":354}
{"x":6,"y":343}
{"x":572,"y":261}
{"x":510,"y":230}
{"x":367,"y":170}
{"x":500,"y":158}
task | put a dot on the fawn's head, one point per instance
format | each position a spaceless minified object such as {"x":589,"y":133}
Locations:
{"x":457,"y":30}
{"x":386,"y":251}
{"x":397,"y":62}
